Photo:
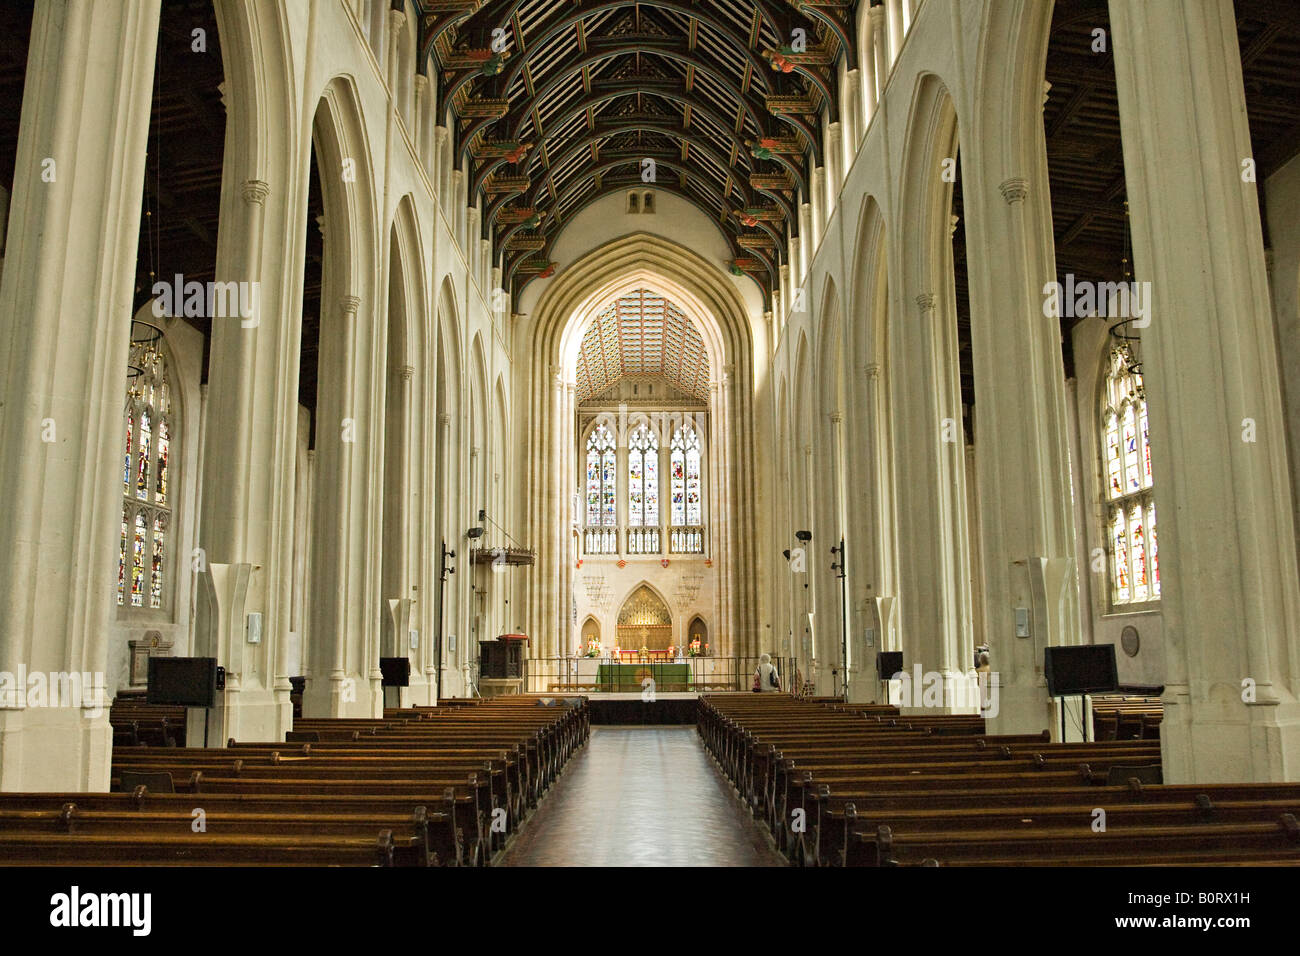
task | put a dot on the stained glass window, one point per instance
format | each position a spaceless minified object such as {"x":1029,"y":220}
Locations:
{"x":126,"y":468}
{"x":1153,"y":554}
{"x":685,"y":483}
{"x":121,"y":562}
{"x":137,"y":560}
{"x":143,"y":456}
{"x":164,"y":443}
{"x":602,"y":467}
{"x":1126,"y":459}
{"x":156,"y":567}
{"x":147,"y":479}
{"x":643,"y":478}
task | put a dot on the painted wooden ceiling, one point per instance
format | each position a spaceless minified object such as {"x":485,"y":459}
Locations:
{"x":642,"y":334}
{"x":560,"y":103}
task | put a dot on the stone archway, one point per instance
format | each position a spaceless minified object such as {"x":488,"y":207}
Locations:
{"x":544,"y":427}
{"x":645,"y":620}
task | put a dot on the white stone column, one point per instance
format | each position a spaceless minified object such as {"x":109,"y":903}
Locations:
{"x":252,"y":429}
{"x":929,"y":495}
{"x":558,"y":481}
{"x":457,"y":208}
{"x":835,"y":166}
{"x":1210,"y":366}
{"x":817,"y":190}
{"x":837,"y":530}
{"x":880,"y":49}
{"x":567,"y":641}
{"x":331,"y":689}
{"x":1026,"y":559}
{"x":441,"y":135}
{"x":65,"y":316}
{"x":424,"y":125}
{"x":470,"y":247}
{"x":807,"y":243}
{"x":894,"y":10}
{"x":435,"y":667}
{"x":854,"y":124}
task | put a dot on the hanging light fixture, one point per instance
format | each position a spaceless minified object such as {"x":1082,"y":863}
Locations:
{"x":143,"y":356}
{"x":1123,"y":333}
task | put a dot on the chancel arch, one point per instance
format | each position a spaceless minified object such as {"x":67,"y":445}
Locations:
{"x":697,"y":392}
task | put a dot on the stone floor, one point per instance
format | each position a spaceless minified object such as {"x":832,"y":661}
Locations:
{"x":642,"y":796}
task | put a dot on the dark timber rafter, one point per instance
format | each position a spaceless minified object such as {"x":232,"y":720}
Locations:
{"x":559,"y":102}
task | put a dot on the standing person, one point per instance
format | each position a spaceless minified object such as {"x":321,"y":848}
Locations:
{"x":766,"y":676}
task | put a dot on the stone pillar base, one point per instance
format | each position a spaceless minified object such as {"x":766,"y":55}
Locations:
{"x":249,"y":715}
{"x":918,"y":693}
{"x":52,"y":749}
{"x":342,"y":697}
{"x":1020,"y":709}
{"x":1229,"y":742}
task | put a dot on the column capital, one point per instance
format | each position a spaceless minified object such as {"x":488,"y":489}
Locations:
{"x":926,"y":301}
{"x":444,"y":419}
{"x":1015,"y":190}
{"x":873,"y":370}
{"x":877,"y":14}
{"x":836,"y":417}
{"x":396,"y":19}
{"x":255,"y":191}
{"x":440,"y":134}
{"x":350,"y":303}
{"x":406,"y":371}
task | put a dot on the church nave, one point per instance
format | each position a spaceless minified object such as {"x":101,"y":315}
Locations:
{"x":642,"y":796}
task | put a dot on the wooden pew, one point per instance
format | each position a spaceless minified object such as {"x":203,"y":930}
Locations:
{"x":902,"y":790}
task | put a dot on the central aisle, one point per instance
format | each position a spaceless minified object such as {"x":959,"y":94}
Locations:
{"x":642,"y":796}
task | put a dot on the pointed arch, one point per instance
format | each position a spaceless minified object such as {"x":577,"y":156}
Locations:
{"x":727,"y":327}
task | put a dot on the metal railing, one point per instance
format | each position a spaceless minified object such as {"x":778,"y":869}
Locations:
{"x":605,"y":675}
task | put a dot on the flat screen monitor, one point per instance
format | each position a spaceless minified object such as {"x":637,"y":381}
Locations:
{"x":1085,"y":669}
{"x":191,"y":681}
{"x":396,"y":671}
{"x":889,"y":663}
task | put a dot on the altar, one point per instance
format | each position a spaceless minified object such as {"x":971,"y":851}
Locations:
{"x":667,"y":676}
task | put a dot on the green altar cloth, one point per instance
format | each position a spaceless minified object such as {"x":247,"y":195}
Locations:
{"x":628,"y":677}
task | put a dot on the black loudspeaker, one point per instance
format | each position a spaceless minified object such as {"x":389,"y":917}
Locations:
{"x":189,"y":681}
{"x":396,"y":671}
{"x":889,"y":663}
{"x":1083,"y":669}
